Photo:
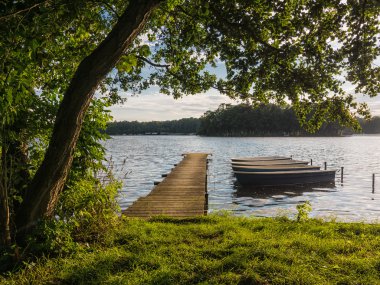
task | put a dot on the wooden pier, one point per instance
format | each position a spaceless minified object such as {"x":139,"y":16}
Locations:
{"x":183,"y":192}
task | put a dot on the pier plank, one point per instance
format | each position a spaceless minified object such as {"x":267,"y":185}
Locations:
{"x":182,"y":193}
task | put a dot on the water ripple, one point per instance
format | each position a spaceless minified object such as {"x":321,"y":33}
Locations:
{"x":141,"y":160}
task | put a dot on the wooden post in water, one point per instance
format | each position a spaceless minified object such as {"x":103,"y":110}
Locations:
{"x":206,"y":204}
{"x":373,"y":183}
{"x":341,"y":174}
{"x":325,"y":165}
{"x":206,"y":192}
{"x":206,"y":179}
{"x":311,"y":161}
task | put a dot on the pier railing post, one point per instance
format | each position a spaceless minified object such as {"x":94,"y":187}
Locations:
{"x":373,"y":183}
{"x":206,"y":191}
{"x":206,"y":204}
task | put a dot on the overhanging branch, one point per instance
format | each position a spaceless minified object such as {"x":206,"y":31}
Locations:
{"x":152,"y":63}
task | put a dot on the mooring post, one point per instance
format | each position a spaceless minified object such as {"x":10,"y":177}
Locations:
{"x":325,"y":165}
{"x":206,"y":204}
{"x":311,"y":161}
{"x":206,"y":195}
{"x":341,"y":174}
{"x":206,"y":184}
{"x":373,"y":183}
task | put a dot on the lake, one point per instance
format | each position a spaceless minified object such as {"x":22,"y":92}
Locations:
{"x":141,"y":160}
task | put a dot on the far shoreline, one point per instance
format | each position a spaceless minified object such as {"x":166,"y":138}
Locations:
{"x":269,"y":136}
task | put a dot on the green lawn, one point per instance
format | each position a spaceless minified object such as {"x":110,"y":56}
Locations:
{"x":218,"y":250}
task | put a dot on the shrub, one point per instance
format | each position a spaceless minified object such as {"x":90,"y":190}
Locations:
{"x":303,"y":211}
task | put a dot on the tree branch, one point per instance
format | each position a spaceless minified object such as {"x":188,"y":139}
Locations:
{"x":152,"y":63}
{"x":111,"y":8}
{"x":23,"y":10}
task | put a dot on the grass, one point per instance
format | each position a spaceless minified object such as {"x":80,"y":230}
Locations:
{"x":218,"y":250}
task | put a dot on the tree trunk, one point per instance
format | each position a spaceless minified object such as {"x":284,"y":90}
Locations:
{"x":42,"y":194}
{"x":5,"y":230}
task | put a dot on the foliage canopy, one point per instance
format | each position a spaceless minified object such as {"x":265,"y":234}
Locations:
{"x":301,"y":52}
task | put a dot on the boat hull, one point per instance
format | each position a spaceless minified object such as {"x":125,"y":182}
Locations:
{"x":274,"y":168}
{"x":270,"y":162}
{"x":285,"y":177}
{"x":259,"y":158}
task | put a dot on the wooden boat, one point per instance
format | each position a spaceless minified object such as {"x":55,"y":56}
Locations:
{"x":285,"y":177}
{"x":260,"y":158}
{"x":271,"y":168}
{"x":271,"y":162}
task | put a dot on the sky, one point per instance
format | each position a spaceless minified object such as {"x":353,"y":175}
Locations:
{"x":153,"y":106}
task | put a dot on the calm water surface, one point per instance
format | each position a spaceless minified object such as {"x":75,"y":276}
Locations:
{"x":140,"y":160}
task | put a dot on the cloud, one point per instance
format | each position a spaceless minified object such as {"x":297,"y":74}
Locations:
{"x":158,"y":107}
{"x":374,"y":105}
{"x":153,"y":106}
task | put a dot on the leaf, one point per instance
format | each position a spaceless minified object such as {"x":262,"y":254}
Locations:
{"x":126,"y":63}
{"x":9,"y":96}
{"x":144,"y":51}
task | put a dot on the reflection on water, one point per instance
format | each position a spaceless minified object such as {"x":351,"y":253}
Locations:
{"x":148,"y":157}
{"x":278,"y":192}
{"x":264,"y":196}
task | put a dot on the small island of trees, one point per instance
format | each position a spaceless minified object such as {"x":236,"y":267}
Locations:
{"x":264,"y":120}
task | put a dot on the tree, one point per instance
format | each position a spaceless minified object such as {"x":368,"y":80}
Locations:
{"x":182,"y":126}
{"x":370,"y":126}
{"x":262,"y":120}
{"x":43,"y":190}
{"x":273,"y":51}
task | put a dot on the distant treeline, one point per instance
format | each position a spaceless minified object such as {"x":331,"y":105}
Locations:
{"x":267,"y":120}
{"x":370,"y":127}
{"x":182,"y":126}
{"x":238,"y":120}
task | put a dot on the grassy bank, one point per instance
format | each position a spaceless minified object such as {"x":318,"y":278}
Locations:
{"x":218,"y":250}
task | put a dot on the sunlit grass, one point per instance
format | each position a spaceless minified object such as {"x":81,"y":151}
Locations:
{"x":219,"y":250}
